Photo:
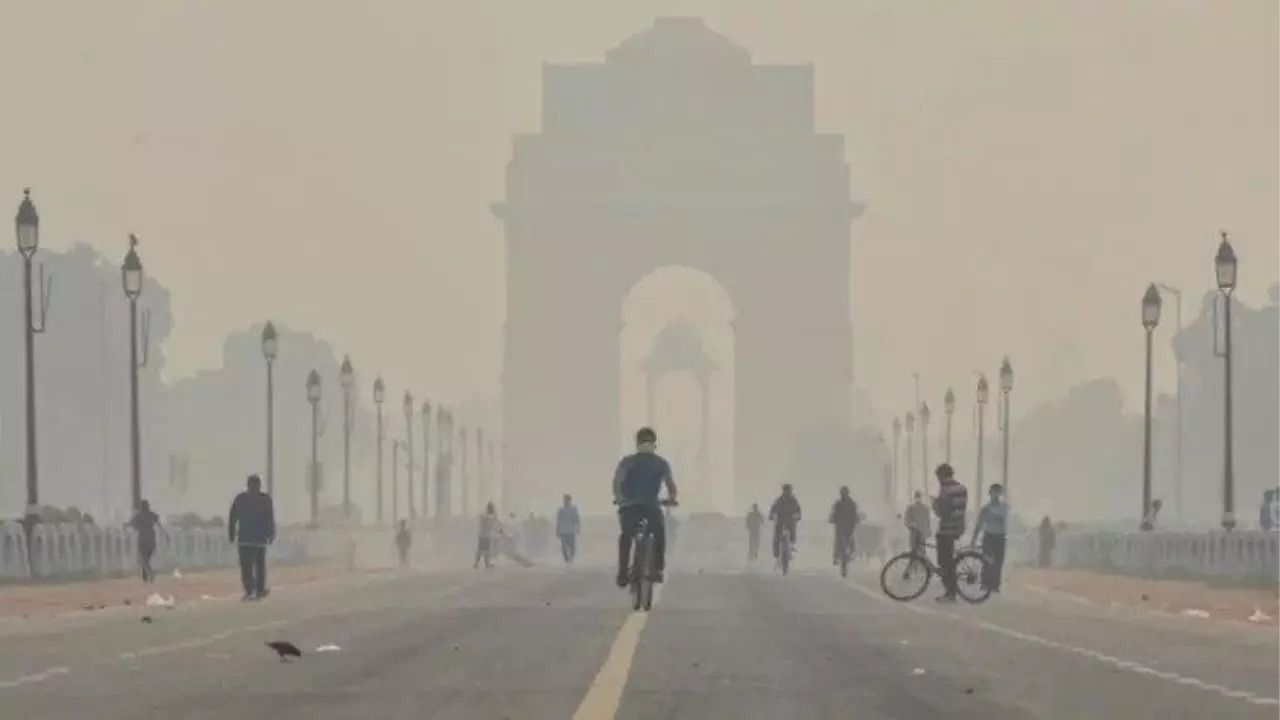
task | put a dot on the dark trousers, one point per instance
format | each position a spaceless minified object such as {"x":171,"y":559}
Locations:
{"x":917,"y":540}
{"x":993,"y":548}
{"x":843,"y":539}
{"x":947,"y":562}
{"x":629,"y":518}
{"x":253,"y":569}
{"x":753,"y":544}
{"x":145,"y":551}
{"x":568,"y":546}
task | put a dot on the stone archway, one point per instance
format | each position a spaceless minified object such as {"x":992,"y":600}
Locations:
{"x":677,"y":150}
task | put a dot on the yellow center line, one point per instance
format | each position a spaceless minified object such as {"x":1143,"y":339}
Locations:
{"x":605,"y":694}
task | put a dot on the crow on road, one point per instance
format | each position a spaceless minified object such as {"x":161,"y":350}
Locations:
{"x":285,"y":649}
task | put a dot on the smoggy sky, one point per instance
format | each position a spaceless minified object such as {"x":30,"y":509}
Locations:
{"x":1028,"y":166}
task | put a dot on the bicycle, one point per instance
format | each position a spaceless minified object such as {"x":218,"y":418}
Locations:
{"x":785,"y":548}
{"x":846,"y":553}
{"x":642,"y":571}
{"x":970,"y":568}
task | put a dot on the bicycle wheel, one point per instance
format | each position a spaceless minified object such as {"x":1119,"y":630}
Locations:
{"x":638,"y":555}
{"x":784,"y":556}
{"x":646,"y":585}
{"x":906,"y":576}
{"x":971,"y":568}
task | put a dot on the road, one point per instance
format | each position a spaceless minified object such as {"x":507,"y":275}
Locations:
{"x":558,"y":644}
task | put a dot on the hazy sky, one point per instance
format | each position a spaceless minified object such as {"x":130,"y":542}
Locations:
{"x":1027,"y":166}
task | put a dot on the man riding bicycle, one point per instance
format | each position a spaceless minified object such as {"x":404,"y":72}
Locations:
{"x":785,"y":512}
{"x":844,"y":516}
{"x":636,"y":484}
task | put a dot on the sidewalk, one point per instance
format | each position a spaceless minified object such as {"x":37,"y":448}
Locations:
{"x":27,"y":600}
{"x":1168,"y":596}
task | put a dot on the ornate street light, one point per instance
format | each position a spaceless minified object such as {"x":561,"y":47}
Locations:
{"x":27,"y":232}
{"x":347,"y":381}
{"x":1006,"y":389}
{"x":925,"y":415}
{"x":408,"y":448}
{"x":1150,"y":319}
{"x":949,"y":406}
{"x":131,"y":277}
{"x":379,"y":397}
{"x":270,"y":348}
{"x":313,"y":397}
{"x":981,"y":396}
{"x":1224,"y":264}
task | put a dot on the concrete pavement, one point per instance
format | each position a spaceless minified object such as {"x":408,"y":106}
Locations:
{"x":548,"y":643}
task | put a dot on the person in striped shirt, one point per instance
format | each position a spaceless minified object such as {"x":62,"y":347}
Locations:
{"x":950,"y":506}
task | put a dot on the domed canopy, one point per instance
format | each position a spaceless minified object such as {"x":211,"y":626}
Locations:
{"x":678,"y":347}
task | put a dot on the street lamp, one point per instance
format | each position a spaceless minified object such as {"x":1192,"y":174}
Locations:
{"x":1225,"y":269}
{"x":426,"y":462}
{"x":1150,"y":319}
{"x":313,"y":397}
{"x":131,"y":277}
{"x":346,"y":380}
{"x":408,"y":448}
{"x":27,"y":231}
{"x":982,"y":396}
{"x":910,"y":423}
{"x":379,"y":396}
{"x":1006,"y":389}
{"x":897,"y":436}
{"x":270,"y":346}
{"x":924,"y":445}
{"x":949,"y":406}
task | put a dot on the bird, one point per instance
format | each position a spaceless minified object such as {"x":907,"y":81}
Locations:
{"x":285,"y":649}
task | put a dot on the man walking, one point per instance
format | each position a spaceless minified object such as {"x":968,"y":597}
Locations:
{"x":917,"y":521}
{"x":251,"y":524}
{"x":992,"y":522}
{"x":754,"y":521}
{"x":950,"y":506}
{"x":568,"y":525}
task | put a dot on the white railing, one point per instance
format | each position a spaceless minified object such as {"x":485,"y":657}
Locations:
{"x":1240,"y":555}
{"x":70,"y":550}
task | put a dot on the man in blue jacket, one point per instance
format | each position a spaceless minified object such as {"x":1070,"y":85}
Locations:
{"x":251,"y":524}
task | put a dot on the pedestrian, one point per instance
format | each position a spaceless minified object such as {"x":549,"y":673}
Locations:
{"x":251,"y":524}
{"x":950,"y":506}
{"x":486,"y":531}
{"x":755,"y":520}
{"x":918,"y":522}
{"x":568,"y":525}
{"x":1269,"y":512}
{"x":144,"y":523}
{"x":1048,"y":537}
{"x":992,"y":523}
{"x":402,"y":542}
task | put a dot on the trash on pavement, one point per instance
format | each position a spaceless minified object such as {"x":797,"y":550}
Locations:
{"x":1193,"y":612}
{"x":1259,"y":616}
{"x":918,"y":671}
{"x":328,"y":648}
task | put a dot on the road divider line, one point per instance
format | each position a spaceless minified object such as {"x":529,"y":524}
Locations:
{"x":34,"y":678}
{"x":1119,"y":663}
{"x":605,"y":694}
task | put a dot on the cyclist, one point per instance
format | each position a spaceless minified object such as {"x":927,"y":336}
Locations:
{"x":785,"y":512}
{"x":636,"y":484}
{"x":950,"y":506}
{"x":844,"y":516}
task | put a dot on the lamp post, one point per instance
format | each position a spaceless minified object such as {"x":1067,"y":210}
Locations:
{"x":313,"y":397}
{"x":924,"y":446}
{"x":1150,"y":319}
{"x":346,"y":380}
{"x":910,"y":423}
{"x":426,"y":462}
{"x":379,"y":395}
{"x":949,"y":407}
{"x":270,"y":346}
{"x":1006,"y":389}
{"x":27,"y":230}
{"x":897,"y":436}
{"x":408,"y":448}
{"x":1225,"y":269}
{"x":131,"y":277}
{"x":982,"y":395}
{"x":395,"y":481}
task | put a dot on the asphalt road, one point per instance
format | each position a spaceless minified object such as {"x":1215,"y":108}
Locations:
{"x":534,"y":644}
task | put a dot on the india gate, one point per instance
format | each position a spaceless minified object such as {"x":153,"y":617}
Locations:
{"x":676,"y":151}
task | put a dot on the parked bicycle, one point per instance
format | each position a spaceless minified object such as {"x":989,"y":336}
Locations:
{"x":907,"y":575}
